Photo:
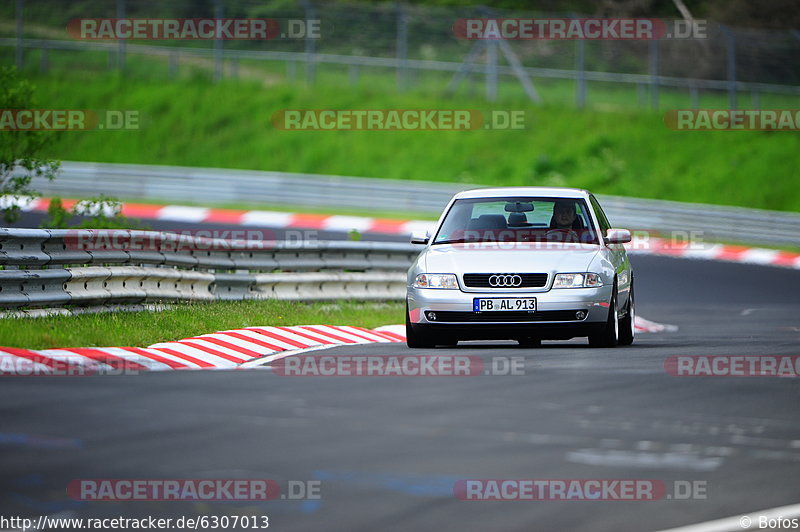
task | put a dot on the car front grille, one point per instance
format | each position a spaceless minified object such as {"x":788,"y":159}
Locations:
{"x":528,"y":280}
{"x":512,"y":316}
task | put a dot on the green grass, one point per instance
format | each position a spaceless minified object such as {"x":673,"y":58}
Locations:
{"x":140,"y":329}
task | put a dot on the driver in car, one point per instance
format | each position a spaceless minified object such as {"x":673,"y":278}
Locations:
{"x":564,"y":215}
{"x":565,"y":225}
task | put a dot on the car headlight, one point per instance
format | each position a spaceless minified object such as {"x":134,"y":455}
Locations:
{"x":436,"y":280}
{"x":577,"y":280}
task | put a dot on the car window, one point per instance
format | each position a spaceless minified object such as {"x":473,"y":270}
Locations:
{"x":605,"y":225}
{"x":516,"y":219}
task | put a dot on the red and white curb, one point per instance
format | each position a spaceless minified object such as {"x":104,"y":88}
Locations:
{"x":324,"y":222}
{"x":717,"y":252}
{"x":272,"y":219}
{"x":221,"y":350}
{"x":237,"y":348}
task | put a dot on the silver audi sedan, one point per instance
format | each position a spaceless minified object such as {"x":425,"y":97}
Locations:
{"x":521,"y":263}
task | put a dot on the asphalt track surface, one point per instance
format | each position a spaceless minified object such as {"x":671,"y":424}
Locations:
{"x":388,"y":451}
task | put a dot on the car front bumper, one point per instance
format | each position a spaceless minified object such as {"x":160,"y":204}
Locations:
{"x":555,"y":316}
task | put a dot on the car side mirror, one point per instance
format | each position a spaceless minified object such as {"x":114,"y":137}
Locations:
{"x":420,"y":237}
{"x":618,"y":236}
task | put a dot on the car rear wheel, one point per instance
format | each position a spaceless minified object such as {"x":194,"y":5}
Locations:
{"x":609,"y":337}
{"x":414,"y":339}
{"x":627,"y":325}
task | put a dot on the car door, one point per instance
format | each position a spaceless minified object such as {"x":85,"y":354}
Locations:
{"x":616,"y":254}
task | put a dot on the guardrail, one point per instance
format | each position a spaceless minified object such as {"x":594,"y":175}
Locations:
{"x":212,"y":185}
{"x":45,"y":268}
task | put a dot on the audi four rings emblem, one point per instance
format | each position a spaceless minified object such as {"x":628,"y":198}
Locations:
{"x":505,"y":280}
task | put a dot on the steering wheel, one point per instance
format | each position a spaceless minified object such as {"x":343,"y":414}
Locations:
{"x":567,"y":233}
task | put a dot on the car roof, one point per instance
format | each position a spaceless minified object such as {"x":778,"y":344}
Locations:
{"x":541,"y":192}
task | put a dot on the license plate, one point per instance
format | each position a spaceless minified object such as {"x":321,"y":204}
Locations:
{"x":499,"y":304}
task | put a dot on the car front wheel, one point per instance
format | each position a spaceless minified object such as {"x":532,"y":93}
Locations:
{"x":609,"y":336}
{"x":416,"y":340}
{"x":627,"y":325}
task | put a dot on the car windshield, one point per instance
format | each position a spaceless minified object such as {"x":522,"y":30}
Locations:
{"x":517,"y":219}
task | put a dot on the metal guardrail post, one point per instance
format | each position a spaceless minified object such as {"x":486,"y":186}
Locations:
{"x":402,"y":47}
{"x":730,"y":43}
{"x":121,"y":42}
{"x":19,"y":52}
{"x":218,"y":57}
{"x":654,"y":73}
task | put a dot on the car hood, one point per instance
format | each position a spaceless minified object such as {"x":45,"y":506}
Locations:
{"x":458,"y":259}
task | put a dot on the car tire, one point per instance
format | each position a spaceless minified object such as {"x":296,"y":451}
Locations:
{"x":415,"y":339}
{"x":530,"y":342}
{"x":609,"y":336}
{"x":627,"y":325}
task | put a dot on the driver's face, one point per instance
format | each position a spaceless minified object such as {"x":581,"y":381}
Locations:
{"x":565,"y":215}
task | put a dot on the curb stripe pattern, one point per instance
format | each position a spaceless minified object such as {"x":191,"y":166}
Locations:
{"x":220,"y":350}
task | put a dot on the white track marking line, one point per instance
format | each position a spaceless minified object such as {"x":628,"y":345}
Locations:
{"x":365,"y":333}
{"x":399,"y":330}
{"x":271,"y":358}
{"x":740,"y":522}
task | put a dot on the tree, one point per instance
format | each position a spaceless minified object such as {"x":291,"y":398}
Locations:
{"x":20,"y":159}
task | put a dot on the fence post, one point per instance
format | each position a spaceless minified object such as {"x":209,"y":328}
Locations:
{"x":730,"y":41}
{"x":44,"y":64}
{"x":580,"y":66}
{"x":311,"y":67}
{"x":173,"y":64}
{"x":20,"y":53}
{"x":654,"y":73}
{"x":352,"y":74}
{"x":121,"y":42}
{"x":491,"y":70}
{"x":218,"y":66}
{"x":402,"y":48}
{"x":491,"y":61}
